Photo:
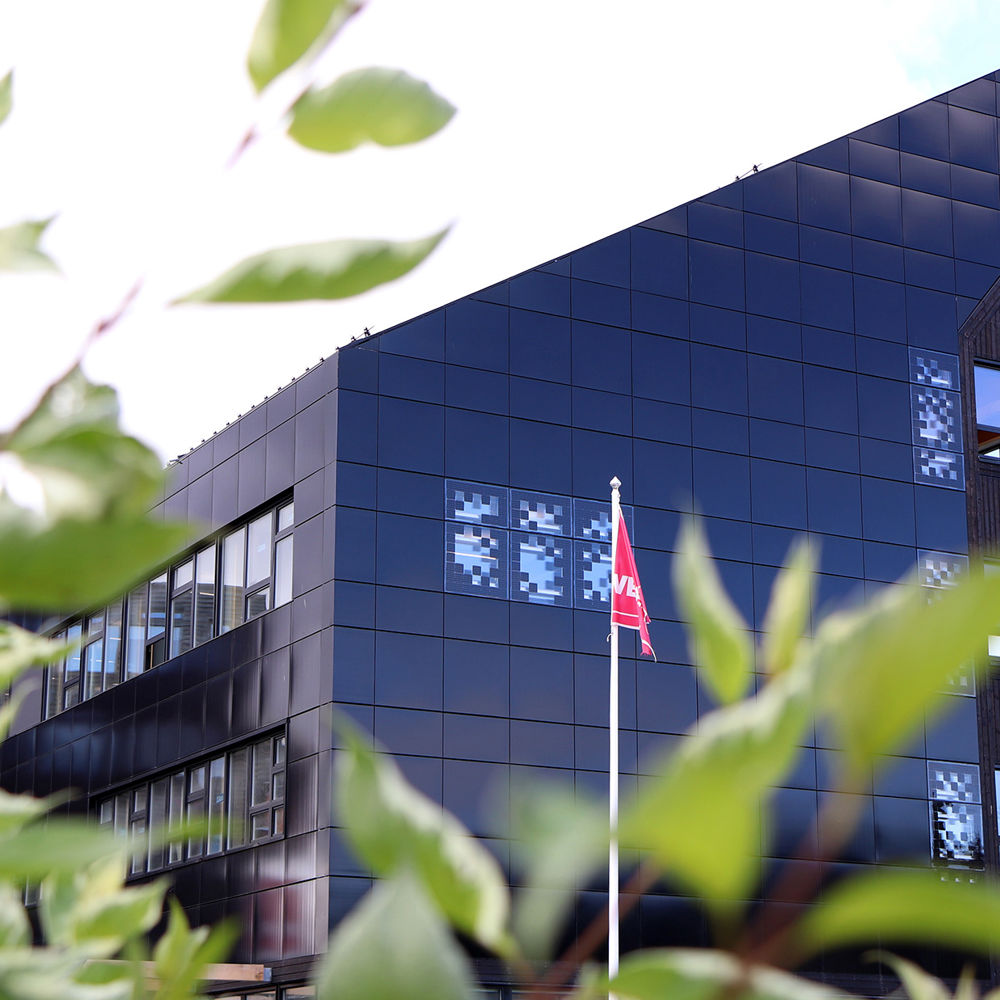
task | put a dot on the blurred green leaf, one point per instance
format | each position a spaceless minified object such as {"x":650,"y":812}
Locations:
{"x":718,"y":637}
{"x":334,"y":270}
{"x":182,"y":953}
{"x":385,"y":106}
{"x":919,"y":985}
{"x":19,"y":250}
{"x":879,"y":669}
{"x":39,"y":973}
{"x":286,"y":30}
{"x":393,"y":945}
{"x":74,"y":491}
{"x":17,"y":811}
{"x":21,"y":649}
{"x":57,"y":847}
{"x":15,"y":930}
{"x":558,"y":838}
{"x":392,"y":827}
{"x":6,"y":95}
{"x":701,"y":813}
{"x":788,"y":612}
{"x":703,"y":974}
{"x":905,"y":907}
{"x":76,"y":563}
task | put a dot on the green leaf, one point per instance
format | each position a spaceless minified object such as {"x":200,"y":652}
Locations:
{"x":76,"y":564}
{"x":788,"y":612}
{"x":181,"y":954}
{"x":17,"y":811}
{"x":879,"y":669}
{"x":15,"y":930}
{"x":286,"y":30}
{"x":385,"y":106}
{"x":392,"y":827}
{"x":59,"y":847}
{"x":74,"y":494}
{"x":703,"y":974}
{"x":717,"y":634}
{"x":905,"y":907}
{"x":6,"y":95}
{"x":558,"y":838}
{"x":21,"y":649}
{"x":393,"y":944}
{"x":701,"y":814}
{"x":334,"y":270}
{"x":19,"y":250}
{"x":919,"y":985}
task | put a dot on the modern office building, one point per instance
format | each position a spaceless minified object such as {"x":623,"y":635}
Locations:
{"x":417,"y":532}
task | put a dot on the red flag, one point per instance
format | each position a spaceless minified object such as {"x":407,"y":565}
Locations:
{"x":628,"y":606}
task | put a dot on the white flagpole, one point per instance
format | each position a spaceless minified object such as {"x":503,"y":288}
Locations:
{"x":616,"y":513}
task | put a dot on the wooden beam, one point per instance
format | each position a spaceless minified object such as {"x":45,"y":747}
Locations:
{"x":219,"y":972}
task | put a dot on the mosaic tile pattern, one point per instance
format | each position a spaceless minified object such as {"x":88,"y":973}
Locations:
{"x":957,"y":833}
{"x":962,"y":681}
{"x":931,"y":368}
{"x":947,"y":782}
{"x":517,"y":544}
{"x":940,"y":569}
{"x":536,"y":512}
{"x":939,"y":468}
{"x":936,"y":418}
{"x":476,"y":560}
{"x":541,"y":569}
{"x":475,"y":503}
{"x":593,"y":574}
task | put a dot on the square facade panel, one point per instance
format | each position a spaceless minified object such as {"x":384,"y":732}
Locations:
{"x":538,"y":512}
{"x":934,"y":369}
{"x":936,"y":418}
{"x":947,"y":782}
{"x":475,"y":560}
{"x":593,"y":575}
{"x":475,"y":503}
{"x":957,"y":833}
{"x":939,"y":468}
{"x":541,"y":568}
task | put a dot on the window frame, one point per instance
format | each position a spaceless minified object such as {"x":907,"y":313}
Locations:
{"x":988,"y":451}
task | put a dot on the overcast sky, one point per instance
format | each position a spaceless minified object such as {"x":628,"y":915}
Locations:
{"x":576,"y":119}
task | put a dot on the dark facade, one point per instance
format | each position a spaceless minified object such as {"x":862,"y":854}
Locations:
{"x":782,"y":355}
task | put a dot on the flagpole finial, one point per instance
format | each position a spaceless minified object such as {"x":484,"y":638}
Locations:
{"x":615,"y":482}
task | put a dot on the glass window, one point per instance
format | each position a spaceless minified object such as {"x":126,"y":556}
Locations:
{"x":204,"y":596}
{"x":157,"y":607}
{"x":112,"y":645}
{"x":196,"y":808}
{"x":283,"y":571}
{"x":176,"y":847}
{"x":988,"y":411}
{"x":135,"y":643}
{"x":181,"y":622}
{"x":286,"y":517}
{"x":258,"y":602}
{"x":238,"y":768}
{"x":54,"y":688}
{"x":71,"y":679}
{"x":216,"y":804}
{"x":259,"y":550}
{"x":94,"y":668}
{"x":233,"y":557}
{"x":157,"y":821}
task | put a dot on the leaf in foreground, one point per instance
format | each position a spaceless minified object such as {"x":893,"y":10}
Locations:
{"x":393,"y":944}
{"x":19,"y":247}
{"x":903,"y":907}
{"x":21,"y":649}
{"x":316,"y":271}
{"x":393,"y":827}
{"x":919,"y":985}
{"x":703,"y":974}
{"x":878,"y":670}
{"x":385,"y":106}
{"x":701,"y":814}
{"x":788,"y":611}
{"x":558,"y":838}
{"x":57,"y":847}
{"x":718,"y":636}
{"x":6,"y":95}
{"x":286,"y":30}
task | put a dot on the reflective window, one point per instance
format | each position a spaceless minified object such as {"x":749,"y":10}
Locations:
{"x":241,"y":793}
{"x":988,"y":411}
{"x":182,"y":607}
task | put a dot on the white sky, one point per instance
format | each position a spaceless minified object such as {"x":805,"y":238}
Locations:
{"x":576,"y":119}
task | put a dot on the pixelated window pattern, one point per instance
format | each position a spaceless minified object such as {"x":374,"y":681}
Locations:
{"x":956,"y":815}
{"x":558,"y":548}
{"x":936,"y":419}
{"x":987,"y":379}
{"x":937,"y":571}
